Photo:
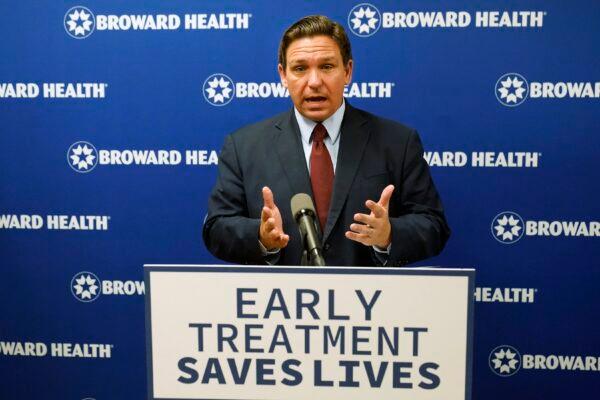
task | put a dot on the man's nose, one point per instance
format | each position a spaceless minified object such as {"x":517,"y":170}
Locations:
{"x":314,"y":78}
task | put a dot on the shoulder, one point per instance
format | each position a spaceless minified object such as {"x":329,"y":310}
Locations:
{"x":253,"y":143}
{"x":259,"y":131}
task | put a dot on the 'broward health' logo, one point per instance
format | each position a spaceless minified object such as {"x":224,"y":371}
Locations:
{"x":507,"y":227}
{"x":511,"y":89}
{"x":82,"y":157}
{"x":505,"y":360}
{"x":85,"y":286}
{"x":79,"y":22}
{"x":364,"y":20}
{"x":218,"y":89}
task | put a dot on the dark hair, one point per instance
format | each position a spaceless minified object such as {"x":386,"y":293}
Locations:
{"x":314,"y":25}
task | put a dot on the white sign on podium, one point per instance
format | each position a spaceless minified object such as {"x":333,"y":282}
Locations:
{"x":287,"y":333}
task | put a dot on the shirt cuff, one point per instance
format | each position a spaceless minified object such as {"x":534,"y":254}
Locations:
{"x":266,"y":252}
{"x":382,"y":255}
{"x":378,"y":249}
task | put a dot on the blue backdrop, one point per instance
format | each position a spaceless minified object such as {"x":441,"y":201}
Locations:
{"x":112,"y":115}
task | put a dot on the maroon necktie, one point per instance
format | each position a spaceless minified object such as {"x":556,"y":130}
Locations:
{"x":321,"y":173}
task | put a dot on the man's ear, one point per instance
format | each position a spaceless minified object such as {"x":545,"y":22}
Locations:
{"x":282,"y":75}
{"x":348,"y":72}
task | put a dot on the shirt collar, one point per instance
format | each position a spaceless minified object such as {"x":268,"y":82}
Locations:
{"x":332,"y":124}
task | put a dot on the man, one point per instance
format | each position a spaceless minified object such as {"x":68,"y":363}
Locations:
{"x":375,"y":200}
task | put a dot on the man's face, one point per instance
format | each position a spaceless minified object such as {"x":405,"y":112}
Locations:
{"x":315,"y":76}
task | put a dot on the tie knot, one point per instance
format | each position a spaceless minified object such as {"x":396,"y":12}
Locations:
{"x":319,"y":133}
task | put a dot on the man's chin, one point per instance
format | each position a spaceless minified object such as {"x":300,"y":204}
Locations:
{"x":316,"y":113}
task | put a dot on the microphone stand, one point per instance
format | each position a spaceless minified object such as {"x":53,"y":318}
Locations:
{"x":312,"y":254}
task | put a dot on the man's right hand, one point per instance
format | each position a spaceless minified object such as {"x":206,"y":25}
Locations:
{"x":271,"y":233}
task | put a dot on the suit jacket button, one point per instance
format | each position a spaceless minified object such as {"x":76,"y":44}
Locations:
{"x":326,"y":246}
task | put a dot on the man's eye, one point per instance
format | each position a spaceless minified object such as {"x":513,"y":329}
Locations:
{"x":327,"y":66}
{"x":298,"y":69}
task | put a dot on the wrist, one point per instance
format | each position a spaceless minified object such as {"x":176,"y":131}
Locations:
{"x":385,"y":244}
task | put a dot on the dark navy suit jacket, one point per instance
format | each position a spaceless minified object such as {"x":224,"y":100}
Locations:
{"x":373,"y":153}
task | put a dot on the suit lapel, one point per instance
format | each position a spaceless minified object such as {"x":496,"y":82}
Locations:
{"x":353,"y":139}
{"x":291,"y":154}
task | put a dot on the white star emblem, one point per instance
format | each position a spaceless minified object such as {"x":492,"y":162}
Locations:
{"x":218,"y":90}
{"x":511,"y":89}
{"x":505,"y":361}
{"x":79,"y":22}
{"x":507,"y":228}
{"x":364,"y":20}
{"x":82,"y":157}
{"x":85,"y":287}
{"x":512,"y":96}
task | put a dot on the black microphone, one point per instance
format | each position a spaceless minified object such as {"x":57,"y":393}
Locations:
{"x":304,"y":213}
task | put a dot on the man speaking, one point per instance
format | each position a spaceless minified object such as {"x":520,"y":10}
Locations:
{"x":375,"y":201}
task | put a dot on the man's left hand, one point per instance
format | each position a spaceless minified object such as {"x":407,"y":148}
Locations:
{"x":374,"y":229}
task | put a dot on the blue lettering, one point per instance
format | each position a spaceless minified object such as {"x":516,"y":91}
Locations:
{"x":307,"y":329}
{"x":392,"y":345}
{"x":284,"y":341}
{"x":329,"y":338}
{"x":368,"y":306}
{"x":349,"y":378}
{"x":241,"y":302}
{"x":332,"y":315}
{"x":399,"y":374}
{"x":356,"y":340}
{"x":183,"y":367}
{"x":286,"y":367}
{"x":239,"y":377}
{"x":200,"y":328}
{"x":250,"y":337}
{"x":310,"y":305}
{"x":262,"y":371}
{"x":415,"y":332}
{"x":213,"y":371}
{"x":276,"y":296}
{"x":221,"y":338}
{"x":319,"y":375}
{"x":375,"y":381}
{"x":425,"y":373}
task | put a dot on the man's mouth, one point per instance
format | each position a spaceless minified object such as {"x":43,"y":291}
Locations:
{"x":315,"y":99}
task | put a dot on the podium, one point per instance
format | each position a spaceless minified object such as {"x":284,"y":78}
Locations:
{"x":287,"y":333}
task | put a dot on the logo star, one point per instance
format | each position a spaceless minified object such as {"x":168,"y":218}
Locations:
{"x":218,"y":90}
{"x":79,"y":22}
{"x":82,"y":157}
{"x":507,"y":227}
{"x":511,"y":90}
{"x":505,"y":361}
{"x":85,"y":287}
{"x":364,"y":20}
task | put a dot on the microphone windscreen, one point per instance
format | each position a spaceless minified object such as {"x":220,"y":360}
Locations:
{"x":301,"y":201}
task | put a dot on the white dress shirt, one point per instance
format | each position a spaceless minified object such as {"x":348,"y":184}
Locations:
{"x":332,"y":141}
